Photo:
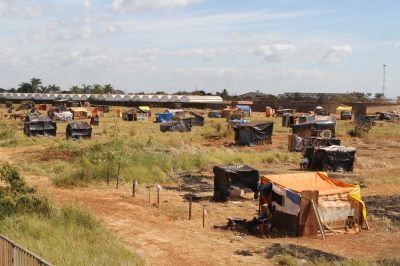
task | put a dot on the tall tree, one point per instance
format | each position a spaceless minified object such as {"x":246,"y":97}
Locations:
{"x":35,"y":84}
{"x":86,"y":88}
{"x":108,"y":89}
{"x":25,"y":87}
{"x":54,"y":88}
{"x":75,"y":89}
{"x":97,"y":89}
{"x":43,"y":89}
{"x":379,"y":97}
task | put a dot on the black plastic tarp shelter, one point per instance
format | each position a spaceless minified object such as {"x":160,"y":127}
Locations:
{"x":79,"y":130}
{"x":35,"y":125}
{"x":175,"y":126}
{"x":227,"y":178}
{"x":195,"y":120}
{"x":331,"y":159}
{"x":253,"y":133}
{"x":316,"y":125}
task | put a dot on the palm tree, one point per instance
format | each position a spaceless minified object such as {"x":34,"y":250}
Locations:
{"x":35,"y":83}
{"x":43,"y":89}
{"x":75,"y":89}
{"x":86,"y":89}
{"x":54,"y":88}
{"x":97,"y":89}
{"x":108,"y":89}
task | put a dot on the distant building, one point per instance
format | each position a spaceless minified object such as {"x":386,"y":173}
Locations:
{"x":307,"y":94}
{"x":118,"y":92}
{"x":253,"y":95}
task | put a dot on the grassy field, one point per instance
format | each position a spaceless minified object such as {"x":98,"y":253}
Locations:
{"x":140,"y":152}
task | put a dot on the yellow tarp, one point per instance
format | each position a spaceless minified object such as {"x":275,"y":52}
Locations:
{"x":145,"y":108}
{"x":343,"y":108}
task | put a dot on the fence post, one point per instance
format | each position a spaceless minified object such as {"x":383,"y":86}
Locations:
{"x":190,"y":208}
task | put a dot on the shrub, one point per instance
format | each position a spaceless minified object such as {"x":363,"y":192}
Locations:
{"x":360,"y":130}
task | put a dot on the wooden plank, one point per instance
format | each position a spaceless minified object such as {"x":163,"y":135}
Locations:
{"x":320,"y":226}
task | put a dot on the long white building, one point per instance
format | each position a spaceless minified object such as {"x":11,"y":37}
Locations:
{"x":111,"y":97}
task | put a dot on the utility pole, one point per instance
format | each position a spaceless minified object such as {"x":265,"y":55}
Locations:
{"x":383,"y":88}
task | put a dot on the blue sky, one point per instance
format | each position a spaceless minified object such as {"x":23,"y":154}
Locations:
{"x":171,"y":45}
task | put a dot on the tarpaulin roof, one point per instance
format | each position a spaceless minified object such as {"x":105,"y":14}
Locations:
{"x":332,"y":158}
{"x":313,"y":125}
{"x":37,"y":118}
{"x":243,"y":107}
{"x":175,"y":126}
{"x":309,"y":181}
{"x":258,"y":130}
{"x":78,"y":109}
{"x":78,"y":130}
{"x":227,"y":178}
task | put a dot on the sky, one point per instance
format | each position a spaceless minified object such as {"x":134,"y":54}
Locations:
{"x":182,"y":45}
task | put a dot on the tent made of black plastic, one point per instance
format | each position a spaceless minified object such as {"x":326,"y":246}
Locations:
{"x":175,"y":126}
{"x":227,"y":178}
{"x":317,"y":125}
{"x":35,"y":125}
{"x":254,"y":133}
{"x":331,"y":159}
{"x":195,"y":120}
{"x":79,"y":130}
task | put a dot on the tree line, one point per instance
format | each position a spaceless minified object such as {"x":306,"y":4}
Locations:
{"x":35,"y":86}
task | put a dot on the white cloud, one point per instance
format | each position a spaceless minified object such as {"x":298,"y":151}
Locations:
{"x":237,"y":35}
{"x":83,"y":33}
{"x":396,"y":46}
{"x":36,"y":35}
{"x":134,"y":6}
{"x":337,"y":54}
{"x":208,"y":54}
{"x":272,"y":52}
{"x":86,"y":4}
{"x":3,"y":6}
{"x":111,"y":29}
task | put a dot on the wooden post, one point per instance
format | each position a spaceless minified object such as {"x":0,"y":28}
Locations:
{"x":203,"y":216}
{"x":190,"y":208}
{"x":321,"y":228}
{"x":149,"y":194}
{"x":133,"y":188}
{"x":108,"y":180}
{"x":119,"y":167}
{"x":158,"y":197}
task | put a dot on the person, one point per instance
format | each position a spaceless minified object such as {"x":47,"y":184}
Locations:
{"x":264,"y":218}
{"x":304,"y":163}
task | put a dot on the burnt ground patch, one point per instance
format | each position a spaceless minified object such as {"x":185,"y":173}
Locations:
{"x":384,"y":206}
{"x":296,"y":251}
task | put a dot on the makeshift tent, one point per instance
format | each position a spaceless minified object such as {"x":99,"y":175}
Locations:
{"x":321,"y":128}
{"x":246,"y":109}
{"x":135,"y":114}
{"x":228,"y":178}
{"x":175,"y":126}
{"x":194,"y":120}
{"x":254,"y":133}
{"x":63,"y":116}
{"x":39,"y":125}
{"x":331,"y":159}
{"x":98,"y":111}
{"x":79,"y":113}
{"x":78,"y":130}
{"x":371,"y":119}
{"x":163,"y":117}
{"x":297,"y":143}
{"x":290,"y":196}
{"x":342,"y":108}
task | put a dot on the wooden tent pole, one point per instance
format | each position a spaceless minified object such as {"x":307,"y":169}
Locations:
{"x":318,"y":219}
